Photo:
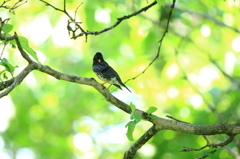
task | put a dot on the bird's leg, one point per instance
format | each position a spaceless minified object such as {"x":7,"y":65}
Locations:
{"x":109,"y":86}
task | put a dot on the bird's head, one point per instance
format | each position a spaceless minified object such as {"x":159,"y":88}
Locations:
{"x":98,"y":57}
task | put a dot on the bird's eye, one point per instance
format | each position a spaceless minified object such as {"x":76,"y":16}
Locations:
{"x":99,"y":60}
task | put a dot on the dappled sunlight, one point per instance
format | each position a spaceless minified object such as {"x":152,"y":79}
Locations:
{"x":83,"y":142}
{"x":127,"y":51}
{"x":172,"y":71}
{"x":205,"y":77}
{"x":88,"y":131}
{"x":185,"y":112}
{"x":172,"y":92}
{"x":7,"y":112}
{"x":32,"y":81}
{"x":230,"y":61}
{"x":228,"y":19}
{"x":25,"y":153}
{"x":205,"y":31}
{"x":161,"y":97}
{"x":148,"y":151}
{"x":232,"y":3}
{"x":236,"y":44}
{"x":38,"y":30}
{"x":195,"y":76}
{"x":114,"y":134}
{"x":5,"y":154}
{"x":102,"y":15}
{"x":196,"y":101}
{"x":123,"y":94}
{"x":61,"y":40}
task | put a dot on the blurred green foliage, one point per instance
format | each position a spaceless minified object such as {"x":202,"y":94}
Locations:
{"x":55,"y":119}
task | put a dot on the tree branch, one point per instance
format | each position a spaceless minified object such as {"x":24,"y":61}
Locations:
{"x":86,"y":33}
{"x":210,"y":145}
{"x":130,"y":153}
{"x":160,"y":123}
{"x":14,"y":82}
{"x":119,"y":20}
{"x":15,"y":5}
{"x":6,"y":84}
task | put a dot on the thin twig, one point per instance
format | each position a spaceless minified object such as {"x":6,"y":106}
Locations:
{"x":76,"y":11}
{"x":17,"y":4}
{"x":48,"y":4}
{"x":210,"y":145}
{"x":170,"y":117}
{"x":119,"y":20}
{"x":205,"y":137}
{"x":86,"y":33}
{"x":159,"y":42}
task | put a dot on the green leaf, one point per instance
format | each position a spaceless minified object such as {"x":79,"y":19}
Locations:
{"x":25,"y":45}
{"x":131,"y":126}
{"x":1,"y":74}
{"x":151,"y":110}
{"x":161,"y":2}
{"x":136,"y":117}
{"x":7,"y":28}
{"x":13,"y":46}
{"x":133,"y":107}
{"x":133,"y":115}
{"x":10,"y":68}
{"x":5,"y":76}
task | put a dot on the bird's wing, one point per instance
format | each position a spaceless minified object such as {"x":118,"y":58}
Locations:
{"x":100,"y":67}
{"x":113,"y":73}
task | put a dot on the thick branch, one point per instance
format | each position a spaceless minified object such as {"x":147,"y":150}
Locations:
{"x":161,"y":123}
{"x":6,"y":84}
{"x":17,"y":80}
{"x":219,"y":128}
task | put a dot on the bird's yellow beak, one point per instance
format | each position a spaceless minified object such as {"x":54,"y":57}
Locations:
{"x":99,"y":60}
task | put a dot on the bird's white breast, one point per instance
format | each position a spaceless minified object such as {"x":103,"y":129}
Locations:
{"x":112,"y":81}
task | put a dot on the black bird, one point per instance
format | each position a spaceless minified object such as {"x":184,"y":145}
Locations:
{"x":105,"y":72}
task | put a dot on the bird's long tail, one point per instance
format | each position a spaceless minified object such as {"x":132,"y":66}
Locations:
{"x":126,"y":87}
{"x":123,"y":86}
{"x":117,"y":86}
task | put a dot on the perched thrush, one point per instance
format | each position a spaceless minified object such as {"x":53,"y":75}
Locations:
{"x":105,"y":72}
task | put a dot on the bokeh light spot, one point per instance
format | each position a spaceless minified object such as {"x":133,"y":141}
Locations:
{"x":83,"y":142}
{"x":236,"y":44}
{"x":205,"y":31}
